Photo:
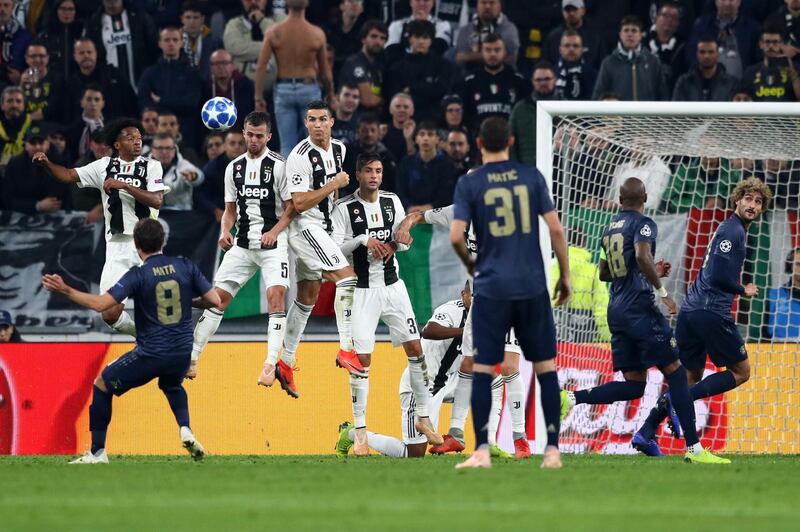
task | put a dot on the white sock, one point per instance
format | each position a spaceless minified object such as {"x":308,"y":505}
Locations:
{"x":695,"y":449}
{"x":497,"y":407}
{"x":343,"y":305}
{"x":359,"y":392}
{"x":296,"y":320}
{"x":125,"y":324}
{"x":386,"y":445}
{"x":461,"y":399}
{"x":418,"y":377}
{"x":276,"y":330}
{"x":206,"y":326}
{"x":515,"y":397}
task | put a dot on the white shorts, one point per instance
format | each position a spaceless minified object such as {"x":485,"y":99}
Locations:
{"x":388,"y":303}
{"x":121,"y":256}
{"x":239,"y":265}
{"x":407,"y":405}
{"x":316,"y":253}
{"x":512,"y":345}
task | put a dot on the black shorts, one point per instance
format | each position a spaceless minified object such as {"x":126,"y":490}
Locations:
{"x":642,"y":341}
{"x":701,"y":332}
{"x":134,"y":369}
{"x":532,"y":320}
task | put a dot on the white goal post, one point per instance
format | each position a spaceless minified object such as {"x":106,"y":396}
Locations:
{"x":690,"y":155}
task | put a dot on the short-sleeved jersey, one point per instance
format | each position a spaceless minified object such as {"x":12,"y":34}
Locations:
{"x":162,"y":289}
{"x":308,"y":168}
{"x":354,"y":221}
{"x":258,"y":186}
{"x":443,"y":217}
{"x":503,"y":202}
{"x":121,"y":211}
{"x":631,"y":292}
{"x":718,"y":281}
{"x":442,"y":357}
{"x":486,"y":95}
{"x":358,"y":69}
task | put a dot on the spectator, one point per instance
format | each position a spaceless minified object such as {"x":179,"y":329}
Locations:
{"x":229,"y":83}
{"x":209,"y":196}
{"x":198,"y":42}
{"x":80,"y":132}
{"x":574,"y":14}
{"x":365,"y":69}
{"x":14,"y":124}
{"x":43,"y":91}
{"x":344,"y":126}
{"x":180,"y":175}
{"x":774,"y":78}
{"x":524,"y":114}
{"x":489,"y":20}
{"x":664,"y":43}
{"x":494,"y":89}
{"x":427,"y":77}
{"x":706,"y":81}
{"x":631,"y":71}
{"x":700,"y":183}
{"x":57,"y":137}
{"x":783,"y":179}
{"x":59,"y":35}
{"x":243,"y":37}
{"x":368,"y":141}
{"x":123,"y":38}
{"x":399,"y":137}
{"x":29,"y":188}
{"x":648,"y":10}
{"x":173,"y":84}
{"x":213,"y":146}
{"x":398,"y":40}
{"x":575,"y":78}
{"x":783,"y":320}
{"x":162,"y":12}
{"x":8,"y":331}
{"x":426,"y":180}
{"x":169,"y":123}
{"x":88,"y":198}
{"x":344,"y":33}
{"x":737,"y":36}
{"x":14,"y":40}
{"x":120,"y":98}
{"x":788,"y":18}
{"x":452,"y":116}
{"x":741,"y":94}
{"x":149,"y":119}
{"x":459,"y":151}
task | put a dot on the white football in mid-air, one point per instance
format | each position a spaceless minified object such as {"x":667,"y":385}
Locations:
{"x":218,"y":114}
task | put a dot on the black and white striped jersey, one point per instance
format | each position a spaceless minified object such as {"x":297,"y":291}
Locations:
{"x":120,"y":210}
{"x":308,"y":168}
{"x":443,"y":217}
{"x":258,"y":186}
{"x":354,"y":221}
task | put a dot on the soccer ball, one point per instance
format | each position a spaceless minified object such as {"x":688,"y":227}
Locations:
{"x":218,"y":114}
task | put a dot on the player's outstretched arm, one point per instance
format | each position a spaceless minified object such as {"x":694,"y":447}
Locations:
{"x":210,"y":299}
{"x":403,"y":235}
{"x":457,"y":231}
{"x":289,"y":212}
{"x":54,"y":283}
{"x":647,"y":265}
{"x":154,"y":200}
{"x":437,"y":331}
{"x":66,"y":175}
{"x":563,"y":289}
{"x":226,"y":224}
{"x":604,"y":272}
{"x":308,"y":200}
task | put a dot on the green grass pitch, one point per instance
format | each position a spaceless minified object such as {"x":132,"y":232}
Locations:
{"x":323,"y":493}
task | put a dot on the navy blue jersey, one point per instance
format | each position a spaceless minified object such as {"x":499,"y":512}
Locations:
{"x":718,"y":281}
{"x":503,"y":202}
{"x":162,"y":290}
{"x":631,"y":292}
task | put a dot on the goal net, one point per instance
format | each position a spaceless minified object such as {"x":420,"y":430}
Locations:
{"x":690,"y":157}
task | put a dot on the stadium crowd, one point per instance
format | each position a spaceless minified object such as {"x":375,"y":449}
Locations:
{"x":411,"y":80}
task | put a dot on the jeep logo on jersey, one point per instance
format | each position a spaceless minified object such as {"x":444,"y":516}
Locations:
{"x":130,"y":180}
{"x":254,"y":192}
{"x":380,"y":234}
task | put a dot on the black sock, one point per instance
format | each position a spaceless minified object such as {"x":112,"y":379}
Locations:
{"x":551,"y":405}
{"x":714,"y":384}
{"x":683,"y":404}
{"x":179,"y":403}
{"x":481,"y":403}
{"x":99,"y":418}
{"x":610,"y":392}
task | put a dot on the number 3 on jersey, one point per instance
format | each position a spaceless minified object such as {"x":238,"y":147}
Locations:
{"x":503,"y":201}
{"x":614,"y":251}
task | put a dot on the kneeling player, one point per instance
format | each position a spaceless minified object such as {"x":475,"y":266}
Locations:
{"x":640,"y":334}
{"x":256,"y":193}
{"x":441,"y":342}
{"x":162,"y":289}
{"x":363,"y":225}
{"x":704,"y":323}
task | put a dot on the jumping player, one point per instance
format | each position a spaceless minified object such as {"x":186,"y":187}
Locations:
{"x":162,"y":289}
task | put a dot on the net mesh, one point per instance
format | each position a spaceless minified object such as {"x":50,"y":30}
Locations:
{"x":690,"y":166}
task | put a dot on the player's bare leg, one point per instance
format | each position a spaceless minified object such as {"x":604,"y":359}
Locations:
{"x":206,"y":326}
{"x":276,"y":331}
{"x":418,"y":378}
{"x":119,"y":320}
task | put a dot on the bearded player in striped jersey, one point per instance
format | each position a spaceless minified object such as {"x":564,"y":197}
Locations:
{"x":441,"y":342}
{"x":363,"y":225}
{"x":258,"y":203}
{"x":131,"y":188}
{"x":509,"y":369}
